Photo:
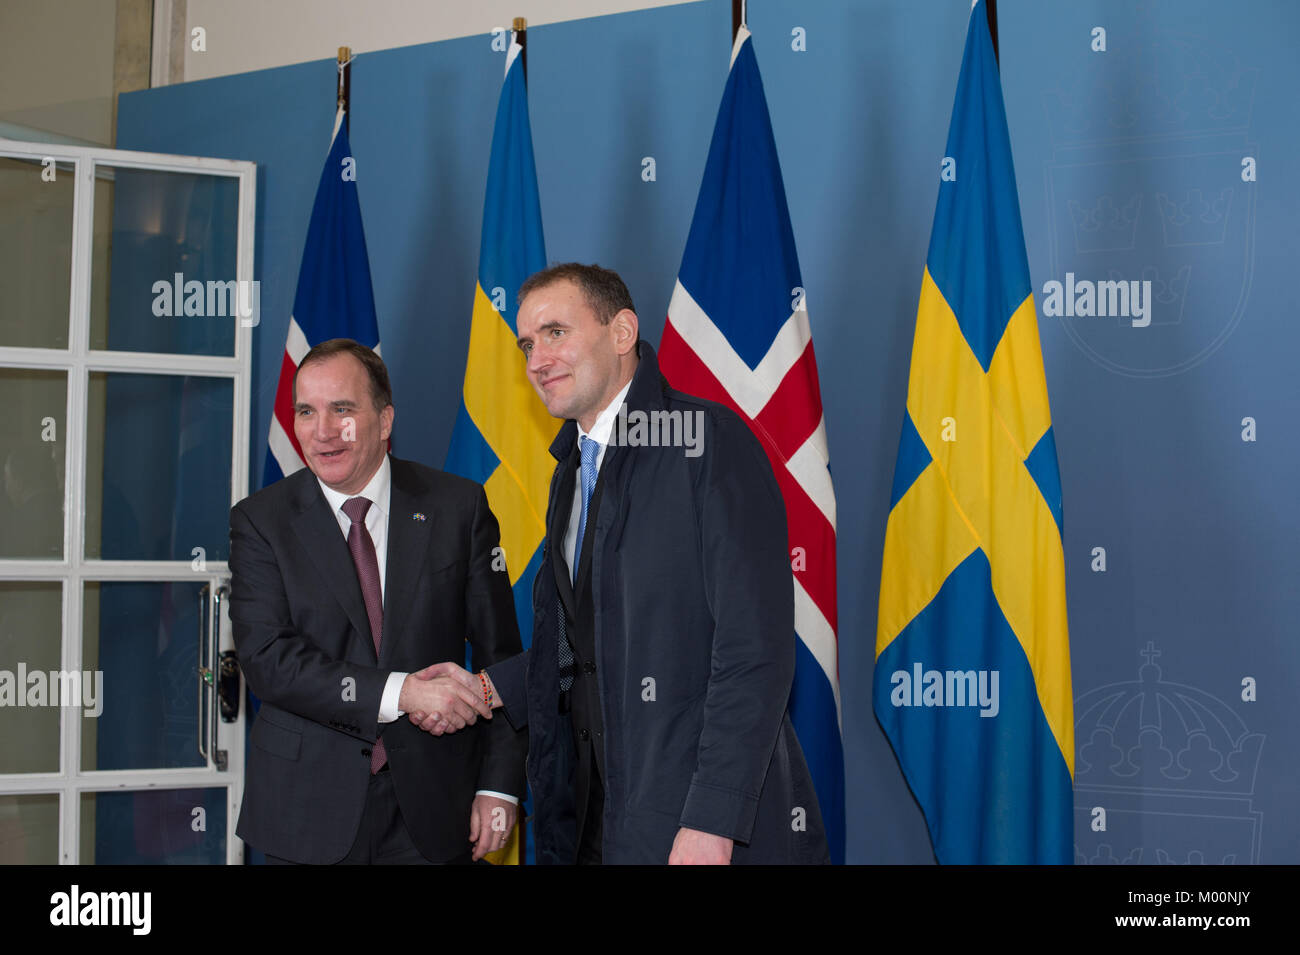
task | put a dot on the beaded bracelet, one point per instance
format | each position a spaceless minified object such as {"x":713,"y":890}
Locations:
{"x":487,"y":688}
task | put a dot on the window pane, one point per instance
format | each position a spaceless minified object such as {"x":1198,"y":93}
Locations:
{"x":35,"y":252}
{"x":31,"y":627}
{"x":32,"y":447}
{"x":170,"y":228}
{"x":29,"y":829}
{"x":143,"y":639}
{"x":158,"y":467}
{"x":154,"y":827}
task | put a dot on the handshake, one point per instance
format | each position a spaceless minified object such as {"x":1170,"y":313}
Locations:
{"x":444,"y":698}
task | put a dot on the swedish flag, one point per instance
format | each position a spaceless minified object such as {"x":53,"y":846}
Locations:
{"x":502,"y":432}
{"x":972,"y":679}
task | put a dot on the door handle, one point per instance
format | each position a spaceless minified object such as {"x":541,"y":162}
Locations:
{"x":228,"y":686}
{"x":219,"y":596}
{"x":213,"y":675}
{"x":205,"y":674}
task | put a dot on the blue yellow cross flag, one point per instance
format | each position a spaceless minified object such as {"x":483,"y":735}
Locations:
{"x":503,"y":432}
{"x":972,"y":678}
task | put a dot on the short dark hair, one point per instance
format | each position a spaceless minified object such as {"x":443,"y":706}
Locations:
{"x":605,"y":292}
{"x":381,"y":392}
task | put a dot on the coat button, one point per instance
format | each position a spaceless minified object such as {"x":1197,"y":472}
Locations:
{"x":584,"y":735}
{"x":589,"y":667}
{"x":366,"y":752}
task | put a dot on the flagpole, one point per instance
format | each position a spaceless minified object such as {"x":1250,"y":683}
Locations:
{"x":991,"y":8}
{"x":737,"y":17}
{"x":345,"y":82}
{"x":521,"y":37}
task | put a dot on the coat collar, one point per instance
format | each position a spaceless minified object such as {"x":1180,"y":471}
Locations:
{"x":411,"y":526}
{"x":646,"y":393}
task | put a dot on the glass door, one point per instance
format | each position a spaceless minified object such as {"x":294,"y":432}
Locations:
{"x":126,"y":313}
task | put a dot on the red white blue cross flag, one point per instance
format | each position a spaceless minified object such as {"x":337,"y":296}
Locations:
{"x":738,"y":333}
{"x":334,"y":297}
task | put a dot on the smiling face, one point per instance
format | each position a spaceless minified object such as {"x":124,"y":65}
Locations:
{"x":576,"y":364}
{"x":343,"y":437}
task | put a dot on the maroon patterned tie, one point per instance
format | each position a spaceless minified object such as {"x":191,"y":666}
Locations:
{"x":363,"y":556}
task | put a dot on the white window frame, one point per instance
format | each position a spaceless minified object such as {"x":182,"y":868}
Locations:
{"x":78,"y":361}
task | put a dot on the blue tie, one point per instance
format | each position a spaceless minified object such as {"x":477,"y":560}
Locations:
{"x":589,"y":449}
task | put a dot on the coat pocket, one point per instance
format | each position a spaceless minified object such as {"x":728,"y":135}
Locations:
{"x":275,"y":739}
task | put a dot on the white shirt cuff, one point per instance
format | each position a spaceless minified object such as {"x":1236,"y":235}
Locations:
{"x":506,"y":796}
{"x":388,"y":710}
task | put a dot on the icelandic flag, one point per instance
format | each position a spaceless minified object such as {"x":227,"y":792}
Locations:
{"x":737,"y":333}
{"x":972,"y":680}
{"x":503,"y":432}
{"x":334,"y":297}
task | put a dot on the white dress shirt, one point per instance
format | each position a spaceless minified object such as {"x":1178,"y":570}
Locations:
{"x":600,"y":432}
{"x":379,"y":492}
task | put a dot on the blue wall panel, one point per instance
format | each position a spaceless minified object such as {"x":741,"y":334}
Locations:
{"x":1128,"y":164}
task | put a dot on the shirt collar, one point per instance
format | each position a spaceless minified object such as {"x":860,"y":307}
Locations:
{"x":377,"y":492}
{"x":600,"y":431}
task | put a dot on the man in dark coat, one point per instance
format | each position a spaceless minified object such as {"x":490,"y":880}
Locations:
{"x":655,"y":692}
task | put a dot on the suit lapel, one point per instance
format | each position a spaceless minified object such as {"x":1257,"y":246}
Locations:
{"x":557,"y":531}
{"x":318,"y":529}
{"x":408,"y":547}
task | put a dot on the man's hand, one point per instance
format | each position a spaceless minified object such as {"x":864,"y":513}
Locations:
{"x":442,"y":698}
{"x":491,"y":821}
{"x":692,"y":847}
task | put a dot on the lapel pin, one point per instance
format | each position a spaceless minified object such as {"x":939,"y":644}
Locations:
{"x":417,"y":516}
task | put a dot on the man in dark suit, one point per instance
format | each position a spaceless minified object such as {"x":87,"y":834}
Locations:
{"x":655,"y":691}
{"x":355,"y":582}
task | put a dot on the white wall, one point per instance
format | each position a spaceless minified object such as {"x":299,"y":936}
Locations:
{"x":57,"y":56}
{"x":244,"y":35}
